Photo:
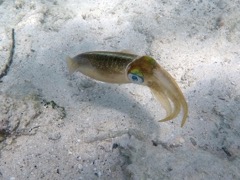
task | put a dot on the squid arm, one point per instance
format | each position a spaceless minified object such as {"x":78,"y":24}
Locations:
{"x":166,"y":90}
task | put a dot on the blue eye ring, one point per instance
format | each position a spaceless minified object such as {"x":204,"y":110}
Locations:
{"x":135,"y":78}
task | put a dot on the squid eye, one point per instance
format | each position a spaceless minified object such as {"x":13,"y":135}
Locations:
{"x":135,"y":78}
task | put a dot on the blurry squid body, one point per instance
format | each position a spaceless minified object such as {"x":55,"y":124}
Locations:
{"x":120,"y":67}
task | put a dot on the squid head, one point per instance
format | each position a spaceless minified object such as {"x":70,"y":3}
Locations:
{"x":146,"y":71}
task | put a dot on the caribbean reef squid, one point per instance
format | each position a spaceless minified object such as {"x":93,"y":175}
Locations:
{"x":122,"y":67}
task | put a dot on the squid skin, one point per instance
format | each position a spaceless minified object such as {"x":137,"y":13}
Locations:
{"x":121,"y":68}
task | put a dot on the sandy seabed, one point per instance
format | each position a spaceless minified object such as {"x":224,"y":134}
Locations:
{"x":54,"y":125}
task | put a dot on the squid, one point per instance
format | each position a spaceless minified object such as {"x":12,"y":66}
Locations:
{"x":124,"y":67}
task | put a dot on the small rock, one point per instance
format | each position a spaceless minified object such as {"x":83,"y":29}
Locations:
{"x":193,"y":141}
{"x":54,"y":136}
{"x":80,"y":166}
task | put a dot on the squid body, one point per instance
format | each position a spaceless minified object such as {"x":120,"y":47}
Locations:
{"x":121,"y":67}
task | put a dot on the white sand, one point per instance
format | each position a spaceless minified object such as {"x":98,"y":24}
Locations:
{"x":107,"y":131}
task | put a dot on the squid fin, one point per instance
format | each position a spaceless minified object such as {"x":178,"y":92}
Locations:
{"x":71,"y":64}
{"x":127,"y":51}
